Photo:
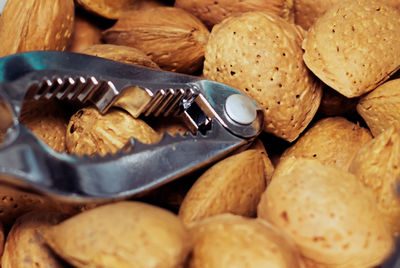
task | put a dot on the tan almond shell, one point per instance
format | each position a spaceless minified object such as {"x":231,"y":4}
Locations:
{"x":171,"y":37}
{"x":14,"y":203}
{"x":268,"y":166}
{"x":308,"y":11}
{"x":334,"y":141}
{"x":381,"y":108}
{"x":233,"y":241}
{"x":353,"y":47}
{"x":233,"y":185}
{"x":122,"y":54}
{"x":35,"y":25}
{"x":48,"y":120}
{"x":377,"y":165}
{"x":85,"y":34}
{"x":89,"y":132}
{"x":122,"y":235}
{"x":260,"y":54}
{"x":213,"y":12}
{"x":332,"y":217}
{"x":110,"y":9}
{"x":25,"y":245}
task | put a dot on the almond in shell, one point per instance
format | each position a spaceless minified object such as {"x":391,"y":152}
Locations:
{"x":36,"y":25}
{"x":331,"y":216}
{"x":377,"y":165}
{"x":25,"y":245}
{"x":171,"y":37}
{"x":233,"y":241}
{"x":260,"y":54}
{"x":353,"y":46}
{"x":122,"y":235}
{"x":233,"y":185}
{"x":85,"y":34}
{"x":213,"y":12}
{"x":381,"y":108}
{"x":122,"y":54}
{"x":334,"y":141}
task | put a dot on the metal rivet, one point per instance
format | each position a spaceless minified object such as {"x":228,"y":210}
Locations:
{"x":241,"y":109}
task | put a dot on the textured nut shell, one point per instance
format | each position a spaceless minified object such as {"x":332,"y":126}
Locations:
{"x":334,"y":141}
{"x":15,"y":203}
{"x":47,"y":120}
{"x":377,"y":165}
{"x":329,"y":214}
{"x":89,"y":132}
{"x":25,"y":246}
{"x":353,"y":46}
{"x":35,"y":25}
{"x":233,"y":185}
{"x":123,"y":234}
{"x":260,"y":54}
{"x":234,"y":241}
{"x":110,"y":9}
{"x":122,"y":54}
{"x":213,"y":12}
{"x":308,"y":11}
{"x":268,"y":166}
{"x":381,"y":108}
{"x":85,"y":34}
{"x":175,"y":40}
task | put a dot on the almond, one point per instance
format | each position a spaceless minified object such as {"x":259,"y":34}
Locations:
{"x":268,"y":166}
{"x":331,"y":216}
{"x":213,"y":12}
{"x":233,"y":185}
{"x":308,"y":11}
{"x":377,"y":165}
{"x":175,"y":40}
{"x":353,"y":47}
{"x":125,"y":234}
{"x":260,"y":54}
{"x":334,"y":141}
{"x":234,"y":241}
{"x":381,"y":108}
{"x":25,"y":246}
{"x":36,"y":25}
{"x":89,"y":132}
{"x":122,"y":54}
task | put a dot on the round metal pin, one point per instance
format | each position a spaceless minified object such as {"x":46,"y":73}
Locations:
{"x":241,"y":109}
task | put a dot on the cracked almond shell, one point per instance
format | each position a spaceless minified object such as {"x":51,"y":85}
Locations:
{"x":331,"y":216}
{"x":89,"y":132}
{"x":334,"y":141}
{"x":36,"y":25}
{"x":171,"y":37}
{"x":353,"y":47}
{"x":260,"y":54}
{"x":213,"y":12}
{"x":123,"y":234}
{"x":381,"y":108}
{"x":233,"y":241}
{"x":377,"y":165}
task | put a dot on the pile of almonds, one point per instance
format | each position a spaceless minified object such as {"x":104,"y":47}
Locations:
{"x":325,"y":194}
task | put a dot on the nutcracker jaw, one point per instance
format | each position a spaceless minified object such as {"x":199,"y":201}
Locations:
{"x":220,"y":119}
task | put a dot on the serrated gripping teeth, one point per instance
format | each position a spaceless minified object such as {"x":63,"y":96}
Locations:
{"x":166,"y":102}
{"x":81,"y":89}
